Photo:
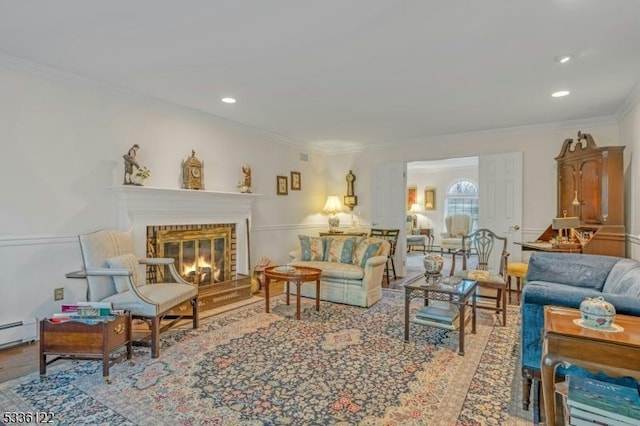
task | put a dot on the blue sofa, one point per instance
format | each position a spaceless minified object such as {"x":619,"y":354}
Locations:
{"x":564,"y":279}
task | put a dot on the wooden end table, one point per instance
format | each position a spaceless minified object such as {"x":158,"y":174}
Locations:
{"x":460,"y":294}
{"x":297,"y":275}
{"x":78,"y":340}
{"x":616,"y":354}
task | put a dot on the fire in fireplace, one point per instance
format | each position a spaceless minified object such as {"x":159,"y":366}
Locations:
{"x":203,"y":254}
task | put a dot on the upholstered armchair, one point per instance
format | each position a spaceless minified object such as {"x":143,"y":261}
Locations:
{"x":114,"y":274}
{"x":414,"y":238}
{"x":457,"y":226}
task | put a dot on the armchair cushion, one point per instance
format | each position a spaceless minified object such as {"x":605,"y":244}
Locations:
{"x":129,"y":262}
{"x":312,"y":248}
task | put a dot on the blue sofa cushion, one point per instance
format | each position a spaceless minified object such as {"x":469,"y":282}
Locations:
{"x":578,"y":270}
{"x":624,"y":279}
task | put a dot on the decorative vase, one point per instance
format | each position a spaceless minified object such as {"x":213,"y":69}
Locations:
{"x":597,"y":312}
{"x":137,"y":180}
{"x":433,"y":264}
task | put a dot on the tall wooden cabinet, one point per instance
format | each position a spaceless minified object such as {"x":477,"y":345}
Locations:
{"x":591,"y":187}
{"x":594,"y":178}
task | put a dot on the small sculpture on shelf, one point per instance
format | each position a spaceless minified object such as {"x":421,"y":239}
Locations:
{"x":245,"y":184}
{"x":130,"y":161}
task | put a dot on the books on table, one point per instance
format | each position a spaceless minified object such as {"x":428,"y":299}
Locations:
{"x":438,"y":315}
{"x":598,"y":402}
{"x":87,"y":312}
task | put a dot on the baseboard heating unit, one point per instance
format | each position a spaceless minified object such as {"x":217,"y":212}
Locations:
{"x":18,"y":332}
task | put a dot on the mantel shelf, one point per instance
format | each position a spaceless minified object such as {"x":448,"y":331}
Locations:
{"x":150,"y":190}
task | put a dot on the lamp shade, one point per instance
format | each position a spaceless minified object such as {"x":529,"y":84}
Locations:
{"x":333,"y":205}
{"x":565,"y":222}
{"x":415,"y":208}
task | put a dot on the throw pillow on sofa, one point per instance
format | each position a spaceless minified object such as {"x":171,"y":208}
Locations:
{"x":340,"y":249}
{"x":365,"y":249}
{"x":311,"y":248}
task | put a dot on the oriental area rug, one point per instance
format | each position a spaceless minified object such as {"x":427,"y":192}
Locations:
{"x":344,"y":365}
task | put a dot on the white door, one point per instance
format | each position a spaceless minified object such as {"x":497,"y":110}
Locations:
{"x":500,"y":198}
{"x":388,"y":205}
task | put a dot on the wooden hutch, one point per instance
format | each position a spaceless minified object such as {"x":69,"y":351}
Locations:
{"x":591,"y":187}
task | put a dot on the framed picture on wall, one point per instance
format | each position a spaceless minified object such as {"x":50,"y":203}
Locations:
{"x":282,"y":186}
{"x":412,"y":196}
{"x":429,"y":198}
{"x":296,"y":183}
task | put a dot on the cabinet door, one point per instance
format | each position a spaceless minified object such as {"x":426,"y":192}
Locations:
{"x":567,"y":183}
{"x":589,"y":193}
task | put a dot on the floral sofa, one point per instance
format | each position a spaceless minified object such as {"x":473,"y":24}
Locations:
{"x":352,"y":267}
{"x":564,"y":279}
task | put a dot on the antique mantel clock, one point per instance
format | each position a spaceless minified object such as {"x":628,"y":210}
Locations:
{"x":192,"y":172}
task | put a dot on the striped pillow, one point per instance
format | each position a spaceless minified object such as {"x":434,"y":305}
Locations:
{"x":366,"y":249}
{"x":312,"y":248}
{"x":340,"y":249}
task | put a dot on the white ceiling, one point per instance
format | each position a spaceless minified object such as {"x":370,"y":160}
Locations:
{"x":336,"y":75}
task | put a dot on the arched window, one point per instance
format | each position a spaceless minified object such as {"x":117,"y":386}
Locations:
{"x":462,"y":197}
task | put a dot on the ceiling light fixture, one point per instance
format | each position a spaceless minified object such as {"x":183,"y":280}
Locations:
{"x":229,"y":100}
{"x":563,"y":59}
{"x":560,"y":93}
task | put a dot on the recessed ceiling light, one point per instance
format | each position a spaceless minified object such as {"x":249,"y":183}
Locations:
{"x":560,"y":93}
{"x":228,"y":100}
{"x":563,"y":59}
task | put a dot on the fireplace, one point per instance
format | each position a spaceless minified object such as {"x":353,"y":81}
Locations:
{"x":203,"y":253}
{"x":223,"y":217}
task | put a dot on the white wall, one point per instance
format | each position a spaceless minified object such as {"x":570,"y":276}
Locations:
{"x":441,"y":179}
{"x":62,"y":144}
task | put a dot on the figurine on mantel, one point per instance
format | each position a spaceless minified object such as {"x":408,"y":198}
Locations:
{"x":245,"y":184}
{"x":129,"y":162}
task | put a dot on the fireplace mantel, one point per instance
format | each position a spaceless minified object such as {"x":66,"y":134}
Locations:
{"x":140,"y":206}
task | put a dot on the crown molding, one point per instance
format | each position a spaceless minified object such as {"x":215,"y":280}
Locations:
{"x":632,"y":100}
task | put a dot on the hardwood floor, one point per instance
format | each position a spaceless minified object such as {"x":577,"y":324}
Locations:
{"x":21,"y":360}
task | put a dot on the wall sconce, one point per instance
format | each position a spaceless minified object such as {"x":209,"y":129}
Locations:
{"x":415,"y":209}
{"x":332,"y":207}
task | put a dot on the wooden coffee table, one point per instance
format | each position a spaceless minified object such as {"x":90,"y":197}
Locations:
{"x":616,"y":354}
{"x":297,"y":275}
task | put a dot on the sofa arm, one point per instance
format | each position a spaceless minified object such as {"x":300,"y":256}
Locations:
{"x":536,"y":295}
{"x":373,"y":270}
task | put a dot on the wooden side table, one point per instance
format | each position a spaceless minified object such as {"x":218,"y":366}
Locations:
{"x":297,"y":275}
{"x":78,"y":340}
{"x":428,"y":232}
{"x":616,"y":354}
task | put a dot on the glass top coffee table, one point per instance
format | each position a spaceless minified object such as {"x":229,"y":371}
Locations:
{"x":459,"y":294}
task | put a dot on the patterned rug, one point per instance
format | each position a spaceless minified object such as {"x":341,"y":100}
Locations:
{"x":341,"y":366}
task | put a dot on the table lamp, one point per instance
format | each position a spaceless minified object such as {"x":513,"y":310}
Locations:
{"x":415,"y":208}
{"x":570,"y":223}
{"x":332,"y":207}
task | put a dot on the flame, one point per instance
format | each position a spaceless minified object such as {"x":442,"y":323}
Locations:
{"x":200,"y":267}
